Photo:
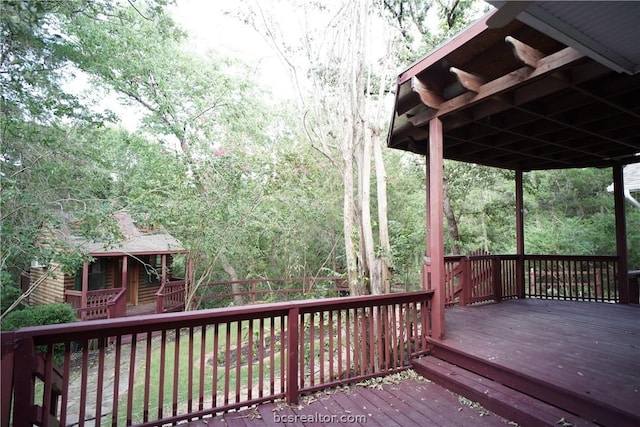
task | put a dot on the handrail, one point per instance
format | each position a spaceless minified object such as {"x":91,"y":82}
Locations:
{"x":203,"y":362}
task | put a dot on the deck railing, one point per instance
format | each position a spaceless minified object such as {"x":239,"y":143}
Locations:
{"x":482,"y":278}
{"x":171,"y":296}
{"x":577,"y":278}
{"x":101,"y":304}
{"x":163,"y":369}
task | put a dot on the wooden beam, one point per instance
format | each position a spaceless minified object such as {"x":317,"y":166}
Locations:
{"x":436,"y":228}
{"x":524,"y":53}
{"x":125,"y":272}
{"x":520,"y":234}
{"x":621,"y":234}
{"x":428,"y":97}
{"x":506,"y":13}
{"x":468,"y":81}
{"x":515,"y":79}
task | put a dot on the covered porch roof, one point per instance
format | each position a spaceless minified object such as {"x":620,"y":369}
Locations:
{"x":525,"y":96}
{"x":524,"y":91}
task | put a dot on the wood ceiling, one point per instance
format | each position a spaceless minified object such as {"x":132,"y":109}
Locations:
{"x":515,"y":98}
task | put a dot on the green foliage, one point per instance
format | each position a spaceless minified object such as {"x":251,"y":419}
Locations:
{"x":39,"y":315}
{"x":218,"y":168}
{"x":8,"y":294}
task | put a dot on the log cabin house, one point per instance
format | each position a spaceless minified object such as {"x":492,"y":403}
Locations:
{"x":132,"y":276}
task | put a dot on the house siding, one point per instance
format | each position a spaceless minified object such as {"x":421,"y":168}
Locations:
{"x":51,"y":290}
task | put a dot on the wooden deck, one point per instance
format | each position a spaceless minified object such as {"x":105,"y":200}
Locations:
{"x":392,"y":403}
{"x":580,"y":356}
{"x":140,"y":309}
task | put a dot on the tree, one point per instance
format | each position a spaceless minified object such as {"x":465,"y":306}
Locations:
{"x":229,"y":178}
{"x":51,"y":166}
{"x":342,"y":98}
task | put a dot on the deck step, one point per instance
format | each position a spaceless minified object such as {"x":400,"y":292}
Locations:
{"x":504,"y":401}
{"x":568,"y":400}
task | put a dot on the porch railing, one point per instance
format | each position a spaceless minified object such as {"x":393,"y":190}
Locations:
{"x":579,"y":278}
{"x":482,"y":278}
{"x":171,"y":296}
{"x":163,"y":369}
{"x":101,"y":304}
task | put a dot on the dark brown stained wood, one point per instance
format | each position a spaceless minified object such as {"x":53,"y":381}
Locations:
{"x":525,"y":53}
{"x":436,"y":231}
{"x":409,"y":402}
{"x":582,"y":350}
{"x":573,"y":111}
{"x":427,"y":96}
{"x":467,"y":80}
{"x":511,"y":404}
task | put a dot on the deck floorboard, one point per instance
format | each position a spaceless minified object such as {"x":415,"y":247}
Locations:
{"x":402,"y":403}
{"x":589,"y":348}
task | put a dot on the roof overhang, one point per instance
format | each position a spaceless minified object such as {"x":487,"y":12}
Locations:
{"x":605,"y":31}
{"x":519,"y":98}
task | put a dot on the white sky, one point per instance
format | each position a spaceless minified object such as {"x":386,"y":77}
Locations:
{"x":210,"y":27}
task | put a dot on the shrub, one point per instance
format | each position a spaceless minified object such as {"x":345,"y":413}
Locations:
{"x":39,"y":315}
{"x":8,"y":295}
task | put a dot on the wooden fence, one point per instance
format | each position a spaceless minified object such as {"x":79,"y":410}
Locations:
{"x":164,"y":369}
{"x":253,"y":291}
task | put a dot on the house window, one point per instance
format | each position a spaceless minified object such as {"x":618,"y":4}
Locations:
{"x":153,"y":269}
{"x":97,"y":270}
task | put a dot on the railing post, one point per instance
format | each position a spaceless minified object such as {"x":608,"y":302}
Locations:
{"x":634,"y":287}
{"x":497,"y":278}
{"x":253,"y":292}
{"x":520,"y":285}
{"x":159,"y":303}
{"x":8,"y":339}
{"x":292,"y":355}
{"x":465,"y":281}
{"x":24,"y":383}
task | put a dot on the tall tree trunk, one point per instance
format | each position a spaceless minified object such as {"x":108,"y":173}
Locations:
{"x":348,"y":216}
{"x":368,"y":248}
{"x":383,"y":223}
{"x":233,"y":275}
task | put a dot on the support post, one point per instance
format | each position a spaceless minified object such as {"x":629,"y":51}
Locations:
{"x":520,"y":235}
{"x":125,"y":272}
{"x":436,"y":228}
{"x":621,"y":235}
{"x":85,"y":290}
{"x":293,"y":319}
{"x":163,"y":279}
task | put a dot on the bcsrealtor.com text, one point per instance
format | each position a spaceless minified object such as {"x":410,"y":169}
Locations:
{"x":319,"y":418}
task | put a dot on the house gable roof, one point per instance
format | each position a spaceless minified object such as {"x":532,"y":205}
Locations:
{"x":137,"y":240}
